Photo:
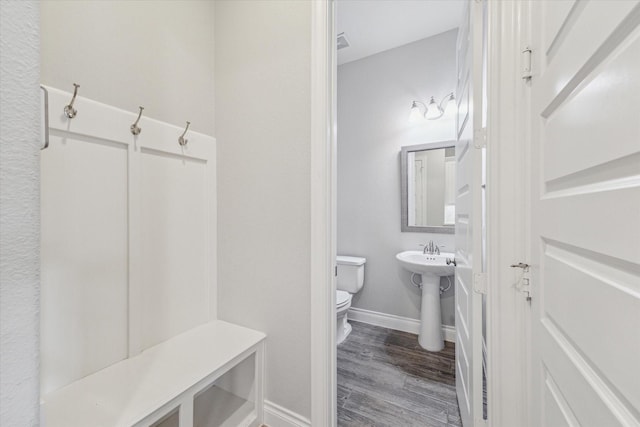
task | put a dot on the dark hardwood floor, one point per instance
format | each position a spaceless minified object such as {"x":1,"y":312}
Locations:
{"x":386,"y":379}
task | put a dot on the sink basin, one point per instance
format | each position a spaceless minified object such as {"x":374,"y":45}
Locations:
{"x":419,"y":263}
{"x":431,"y":268}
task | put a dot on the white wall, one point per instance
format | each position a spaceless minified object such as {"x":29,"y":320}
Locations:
{"x":158,"y":54}
{"x":374,"y":97}
{"x":263,"y":134}
{"x":19,"y":213}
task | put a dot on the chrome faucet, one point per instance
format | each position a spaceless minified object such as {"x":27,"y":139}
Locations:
{"x":431,"y":248}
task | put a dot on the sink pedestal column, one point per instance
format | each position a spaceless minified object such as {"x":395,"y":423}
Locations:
{"x":430,"y":337}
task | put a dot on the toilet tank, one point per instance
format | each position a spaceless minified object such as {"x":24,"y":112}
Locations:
{"x":350,"y":273}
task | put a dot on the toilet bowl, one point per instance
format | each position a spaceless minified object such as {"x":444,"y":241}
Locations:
{"x":343,"y":303}
{"x":350,"y":281}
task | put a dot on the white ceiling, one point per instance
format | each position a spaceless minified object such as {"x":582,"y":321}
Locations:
{"x":373,"y":26}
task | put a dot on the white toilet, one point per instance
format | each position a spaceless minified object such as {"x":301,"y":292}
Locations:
{"x":350,"y":281}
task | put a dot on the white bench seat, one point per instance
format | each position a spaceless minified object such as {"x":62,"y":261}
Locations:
{"x":140,"y":390}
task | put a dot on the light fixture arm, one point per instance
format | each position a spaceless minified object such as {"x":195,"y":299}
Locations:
{"x":415,"y":110}
{"x":432,"y":106}
{"x":447,"y":98}
{"x":442,"y":105}
{"x":421,"y":103}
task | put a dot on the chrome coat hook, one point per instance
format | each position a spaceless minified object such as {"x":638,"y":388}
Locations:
{"x":182,"y":140}
{"x":69,"y":111}
{"x":134,"y":127}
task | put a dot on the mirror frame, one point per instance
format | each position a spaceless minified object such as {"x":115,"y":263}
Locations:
{"x":405,"y":227}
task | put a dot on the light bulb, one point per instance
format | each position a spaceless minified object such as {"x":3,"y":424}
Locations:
{"x":433,"y":110}
{"x":415,"y":114}
{"x":451,"y":104}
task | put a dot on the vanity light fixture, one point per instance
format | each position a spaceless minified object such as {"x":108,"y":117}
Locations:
{"x":415,"y":114}
{"x":433,"y":110}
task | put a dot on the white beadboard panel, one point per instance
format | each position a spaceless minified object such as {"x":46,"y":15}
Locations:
{"x":614,"y":88}
{"x":576,"y":221}
{"x":174,"y":250}
{"x":84,"y":264}
{"x":596,"y":282}
{"x":587,"y":44}
{"x":128,"y":237}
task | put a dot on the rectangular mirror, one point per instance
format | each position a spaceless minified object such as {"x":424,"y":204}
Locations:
{"x":428,"y":187}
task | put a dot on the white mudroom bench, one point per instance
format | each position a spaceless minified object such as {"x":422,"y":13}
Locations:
{"x":129,"y":329}
{"x":161,"y":386}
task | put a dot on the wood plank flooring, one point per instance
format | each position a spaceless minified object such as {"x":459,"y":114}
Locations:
{"x":386,"y":379}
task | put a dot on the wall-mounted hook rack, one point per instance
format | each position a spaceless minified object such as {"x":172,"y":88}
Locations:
{"x":182,"y":140}
{"x":135,"y":129}
{"x":69,"y":111}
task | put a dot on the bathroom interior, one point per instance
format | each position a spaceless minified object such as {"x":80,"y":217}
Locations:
{"x":396,"y":133}
{"x":174,"y":262}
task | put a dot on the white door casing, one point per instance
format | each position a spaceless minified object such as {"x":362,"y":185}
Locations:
{"x":323,"y":214}
{"x":468,"y":234}
{"x":585,"y":213}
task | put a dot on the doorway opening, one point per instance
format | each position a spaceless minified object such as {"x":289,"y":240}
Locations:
{"x":404,"y":245}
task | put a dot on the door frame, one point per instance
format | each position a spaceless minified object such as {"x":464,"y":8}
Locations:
{"x":323,"y":214}
{"x":508,"y":220}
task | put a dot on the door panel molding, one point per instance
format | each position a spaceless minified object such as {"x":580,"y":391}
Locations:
{"x":585,"y":199}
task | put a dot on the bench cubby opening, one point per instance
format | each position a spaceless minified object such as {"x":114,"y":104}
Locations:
{"x":172,"y":419}
{"x":230,"y":400}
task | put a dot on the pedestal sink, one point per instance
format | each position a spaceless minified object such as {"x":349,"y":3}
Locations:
{"x":431,"y":268}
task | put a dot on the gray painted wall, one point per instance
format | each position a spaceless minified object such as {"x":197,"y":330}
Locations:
{"x":374,"y":97}
{"x":263,"y":132}
{"x":19,"y":213}
{"x":158,"y":54}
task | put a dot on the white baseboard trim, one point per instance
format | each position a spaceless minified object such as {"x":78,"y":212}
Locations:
{"x":278,"y":416}
{"x":398,"y":323}
{"x":449,"y":333}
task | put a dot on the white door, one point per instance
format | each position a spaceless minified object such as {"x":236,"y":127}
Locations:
{"x":468,"y":237}
{"x":586,"y":213}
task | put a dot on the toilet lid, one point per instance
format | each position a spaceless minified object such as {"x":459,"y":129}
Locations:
{"x":342,"y":298}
